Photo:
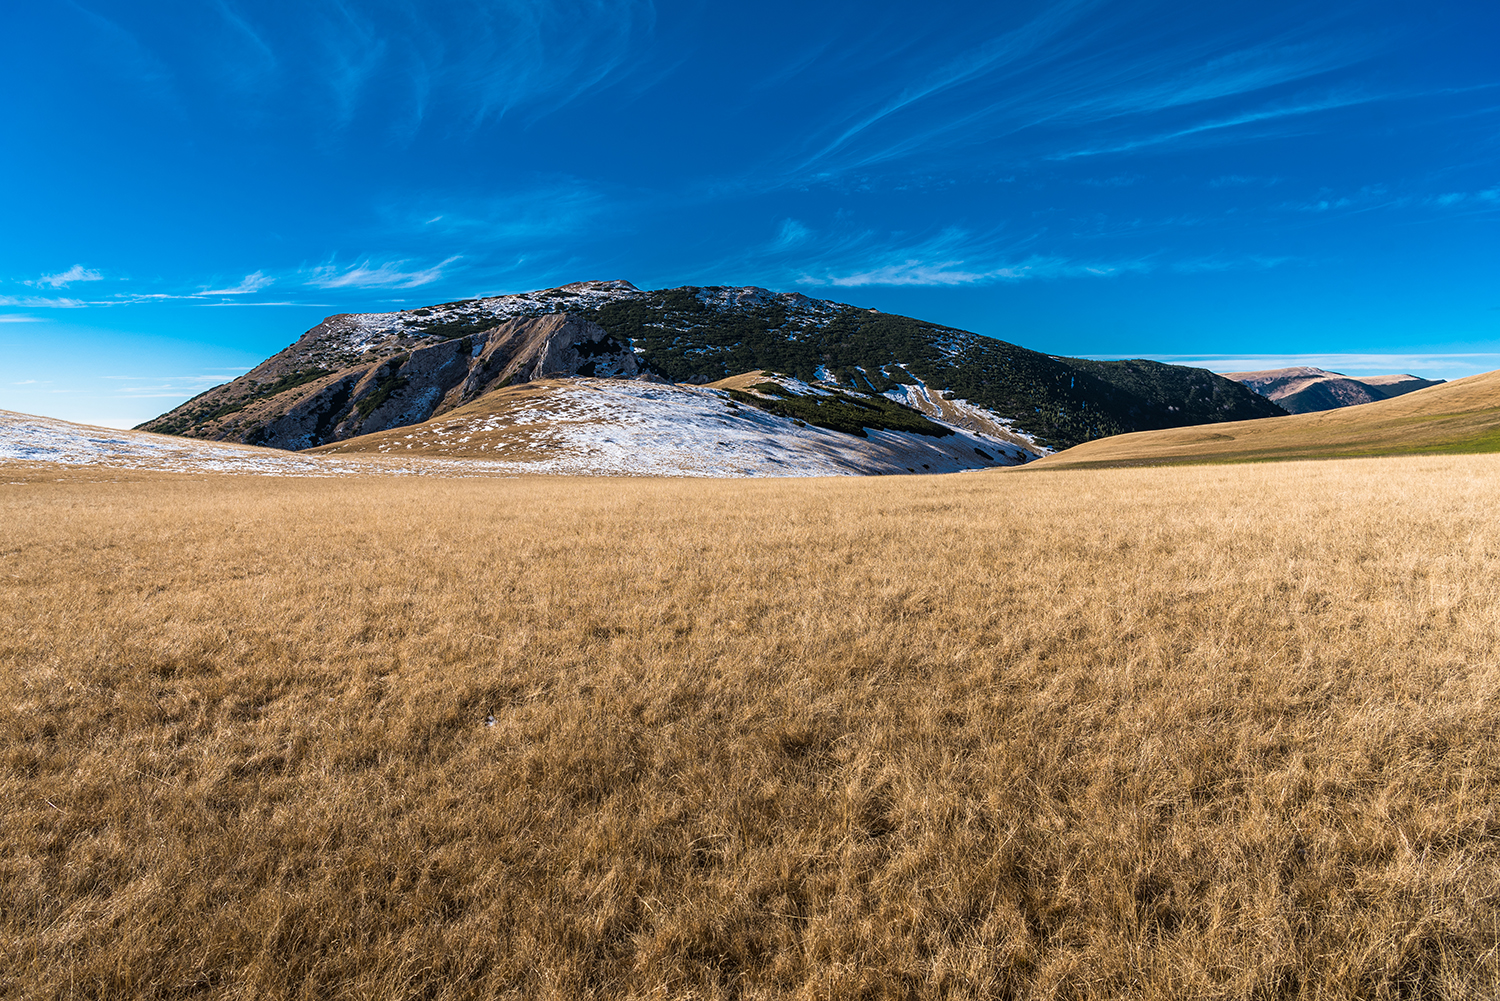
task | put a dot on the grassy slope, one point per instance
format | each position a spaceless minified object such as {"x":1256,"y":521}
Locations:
{"x":1218,"y":732}
{"x":1455,"y":418}
{"x":482,"y":444}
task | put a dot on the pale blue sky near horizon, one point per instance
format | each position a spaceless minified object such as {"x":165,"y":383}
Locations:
{"x":190,"y":186}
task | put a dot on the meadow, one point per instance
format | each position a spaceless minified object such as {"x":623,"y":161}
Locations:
{"x":1203,"y":732}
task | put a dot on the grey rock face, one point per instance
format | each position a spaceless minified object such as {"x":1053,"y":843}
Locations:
{"x":376,"y":394}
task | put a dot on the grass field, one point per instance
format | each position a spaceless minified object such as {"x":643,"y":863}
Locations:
{"x":1210,"y":732}
{"x":1455,"y":418}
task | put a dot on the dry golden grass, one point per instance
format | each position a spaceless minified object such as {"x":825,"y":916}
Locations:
{"x":440,"y":436}
{"x":1219,"y":732}
{"x":1455,"y":418}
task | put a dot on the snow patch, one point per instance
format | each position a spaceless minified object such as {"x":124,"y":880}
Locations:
{"x":614,"y":427}
{"x":583,"y":427}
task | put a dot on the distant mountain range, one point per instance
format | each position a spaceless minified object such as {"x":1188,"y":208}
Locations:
{"x":834,"y":366}
{"x":1305,"y":390}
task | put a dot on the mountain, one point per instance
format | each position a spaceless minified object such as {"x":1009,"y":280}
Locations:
{"x":1305,"y":390}
{"x":1456,"y":417}
{"x":357,"y":374}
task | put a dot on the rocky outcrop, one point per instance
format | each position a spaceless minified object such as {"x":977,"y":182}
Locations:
{"x":284,"y":406}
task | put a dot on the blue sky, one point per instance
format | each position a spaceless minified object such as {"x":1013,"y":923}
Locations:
{"x":190,"y":185}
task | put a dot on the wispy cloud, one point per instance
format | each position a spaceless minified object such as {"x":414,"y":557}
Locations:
{"x":1200,"y":129}
{"x":77,"y":273}
{"x":242,"y":305}
{"x":917,"y":271}
{"x":792,"y":233}
{"x":546,"y":209}
{"x":1002,"y":52}
{"x":1242,"y":180}
{"x":471,"y":60}
{"x":1066,"y":71}
{"x":369,"y":275}
{"x":40,"y":302}
{"x":21,"y":319}
{"x":366,"y":274}
{"x":547,"y":53}
{"x":1373,"y":197}
{"x":951,"y":257}
{"x":1218,"y":263}
{"x":398,"y":63}
{"x":250,"y":283}
{"x":144,"y":298}
{"x":153,"y":387}
{"x":1486,"y":199}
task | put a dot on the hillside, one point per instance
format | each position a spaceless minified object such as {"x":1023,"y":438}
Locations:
{"x":1304,"y":389}
{"x":356,"y":374}
{"x":1451,"y":418}
{"x":756,"y":425}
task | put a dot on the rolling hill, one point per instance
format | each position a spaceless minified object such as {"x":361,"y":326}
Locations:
{"x":1456,"y":417}
{"x":358,"y":374}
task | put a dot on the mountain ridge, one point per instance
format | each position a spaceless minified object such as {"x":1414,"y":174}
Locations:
{"x":361,"y":373}
{"x":1303,"y":389}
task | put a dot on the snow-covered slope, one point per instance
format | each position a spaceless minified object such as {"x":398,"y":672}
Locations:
{"x":575,"y":426}
{"x":28,"y":440}
{"x":629,"y":427}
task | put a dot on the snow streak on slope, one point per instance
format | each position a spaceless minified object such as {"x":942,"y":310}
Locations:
{"x":617,"y":426}
{"x":961,"y":413}
{"x":30,"y":440}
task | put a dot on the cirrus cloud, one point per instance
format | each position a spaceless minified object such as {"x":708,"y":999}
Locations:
{"x":77,"y":273}
{"x":369,"y":275}
{"x":250,"y":283}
